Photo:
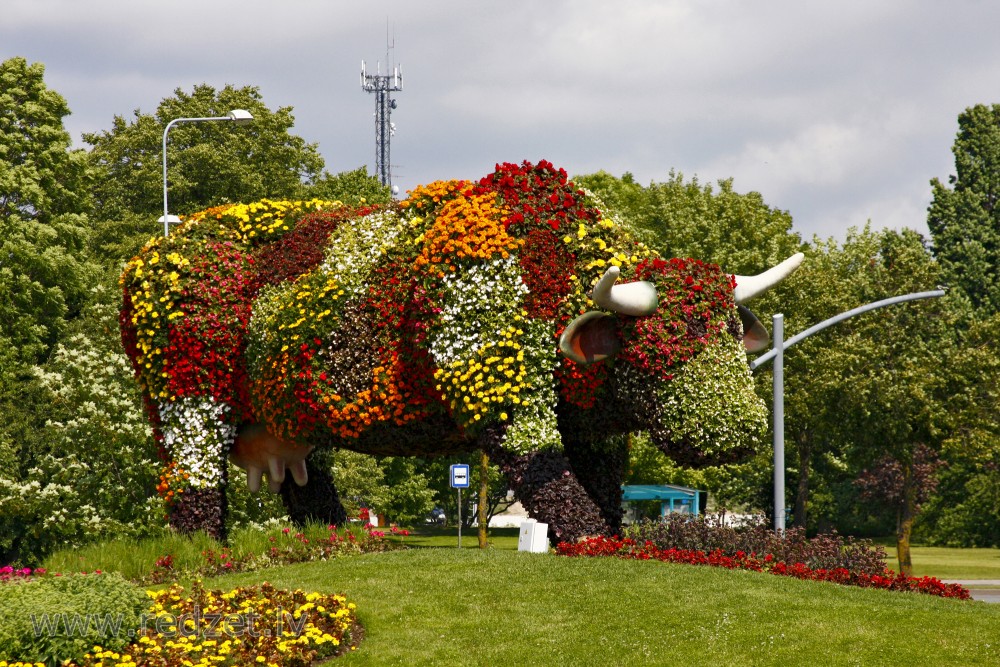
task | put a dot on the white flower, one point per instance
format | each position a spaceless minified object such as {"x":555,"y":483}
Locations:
{"x":198,"y":438}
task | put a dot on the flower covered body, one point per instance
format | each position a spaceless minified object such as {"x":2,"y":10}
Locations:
{"x":412,"y":328}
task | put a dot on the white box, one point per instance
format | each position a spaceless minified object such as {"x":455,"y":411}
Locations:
{"x":534,"y":537}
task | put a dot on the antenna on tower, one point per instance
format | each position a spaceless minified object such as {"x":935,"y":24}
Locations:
{"x":382,"y":85}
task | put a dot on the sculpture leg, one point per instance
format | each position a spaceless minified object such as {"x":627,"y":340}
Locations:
{"x":201,"y":509}
{"x":601,"y":468}
{"x":197,"y":439}
{"x":318,"y":500}
{"x":548,"y":490}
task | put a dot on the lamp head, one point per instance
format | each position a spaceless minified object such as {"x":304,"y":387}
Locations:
{"x":240,"y":116}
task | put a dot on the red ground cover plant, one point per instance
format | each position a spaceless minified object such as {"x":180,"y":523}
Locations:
{"x":630,"y":549}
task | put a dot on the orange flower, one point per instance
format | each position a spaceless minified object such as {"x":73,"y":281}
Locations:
{"x":465,"y":228}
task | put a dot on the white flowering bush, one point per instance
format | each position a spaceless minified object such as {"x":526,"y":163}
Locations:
{"x":94,"y":473}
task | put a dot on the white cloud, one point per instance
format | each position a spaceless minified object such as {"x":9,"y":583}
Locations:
{"x":836,"y":112}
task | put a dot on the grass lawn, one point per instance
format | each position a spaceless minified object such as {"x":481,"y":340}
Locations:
{"x":436,"y":536}
{"x":435,"y":606}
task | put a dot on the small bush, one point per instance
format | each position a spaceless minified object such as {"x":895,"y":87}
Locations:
{"x":709,"y":533}
{"x":55,"y":618}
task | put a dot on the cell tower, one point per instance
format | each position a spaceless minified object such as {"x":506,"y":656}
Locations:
{"x":382,"y":85}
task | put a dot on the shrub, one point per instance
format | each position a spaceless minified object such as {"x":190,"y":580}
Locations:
{"x":54,"y":618}
{"x":709,"y":533}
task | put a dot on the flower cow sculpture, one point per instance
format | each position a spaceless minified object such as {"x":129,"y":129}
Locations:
{"x":509,"y":315}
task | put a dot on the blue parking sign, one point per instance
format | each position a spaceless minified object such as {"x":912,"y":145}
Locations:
{"x":460,"y":476}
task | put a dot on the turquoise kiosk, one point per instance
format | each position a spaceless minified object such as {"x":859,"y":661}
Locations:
{"x":673,"y":499}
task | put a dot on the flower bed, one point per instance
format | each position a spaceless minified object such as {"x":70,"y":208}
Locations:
{"x":888,"y":580}
{"x":708,"y":533}
{"x":257,"y":625}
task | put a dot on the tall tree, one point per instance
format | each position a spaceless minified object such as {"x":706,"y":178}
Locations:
{"x":208,"y":163}
{"x":40,"y":177}
{"x":891,"y":409}
{"x":43,"y":202}
{"x":964,"y":216}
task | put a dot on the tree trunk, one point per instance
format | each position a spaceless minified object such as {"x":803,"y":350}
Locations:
{"x":802,"y":492}
{"x":484,"y":483}
{"x":904,"y":520}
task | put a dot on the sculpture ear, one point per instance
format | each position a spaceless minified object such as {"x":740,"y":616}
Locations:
{"x":591,"y":337}
{"x":755,"y":336}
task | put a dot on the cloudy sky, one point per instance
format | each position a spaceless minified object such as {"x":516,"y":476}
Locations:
{"x":838,"y":112}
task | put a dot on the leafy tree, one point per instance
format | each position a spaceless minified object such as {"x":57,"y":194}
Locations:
{"x":965,"y":511}
{"x":43,"y":278}
{"x":40,"y":177}
{"x":886,"y":396}
{"x":351,"y":187}
{"x":359,"y":479}
{"x":903,"y":485}
{"x":964,"y":216}
{"x":687,"y":219}
{"x":89,"y":468}
{"x":44,"y":281}
{"x":409,"y":496}
{"x":208,"y":163}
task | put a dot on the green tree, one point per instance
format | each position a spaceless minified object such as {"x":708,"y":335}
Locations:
{"x":964,"y":216}
{"x":873,"y":391}
{"x":40,"y":176}
{"x":43,"y":199}
{"x":351,"y":187}
{"x":679,"y":218}
{"x":89,"y":467}
{"x":44,"y":281}
{"x":965,"y":511}
{"x":208,"y":163}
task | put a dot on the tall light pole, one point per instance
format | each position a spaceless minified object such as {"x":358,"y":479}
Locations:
{"x":777,"y":354}
{"x":240,"y":116}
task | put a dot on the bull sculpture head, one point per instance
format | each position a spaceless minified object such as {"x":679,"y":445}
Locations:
{"x":593,"y":336}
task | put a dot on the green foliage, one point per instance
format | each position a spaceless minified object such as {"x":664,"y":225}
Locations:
{"x":964,"y":216}
{"x":359,"y":479}
{"x":209,"y":163}
{"x":408,"y":498}
{"x":966,"y":508}
{"x":40,"y":177}
{"x":401,"y":489}
{"x":35,"y":616}
{"x":737,"y":231}
{"x":353,"y":188}
{"x":114,"y":241}
{"x":44,"y":281}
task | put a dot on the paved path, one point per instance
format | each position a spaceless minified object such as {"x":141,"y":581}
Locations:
{"x":976,"y":589}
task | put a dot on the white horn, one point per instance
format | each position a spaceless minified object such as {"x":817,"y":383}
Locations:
{"x":747,"y":287}
{"x":636,"y":299}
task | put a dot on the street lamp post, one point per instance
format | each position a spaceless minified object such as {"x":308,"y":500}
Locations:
{"x":777,"y":354}
{"x":240,"y":116}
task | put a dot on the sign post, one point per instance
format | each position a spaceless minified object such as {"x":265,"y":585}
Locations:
{"x":459,"y":481}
